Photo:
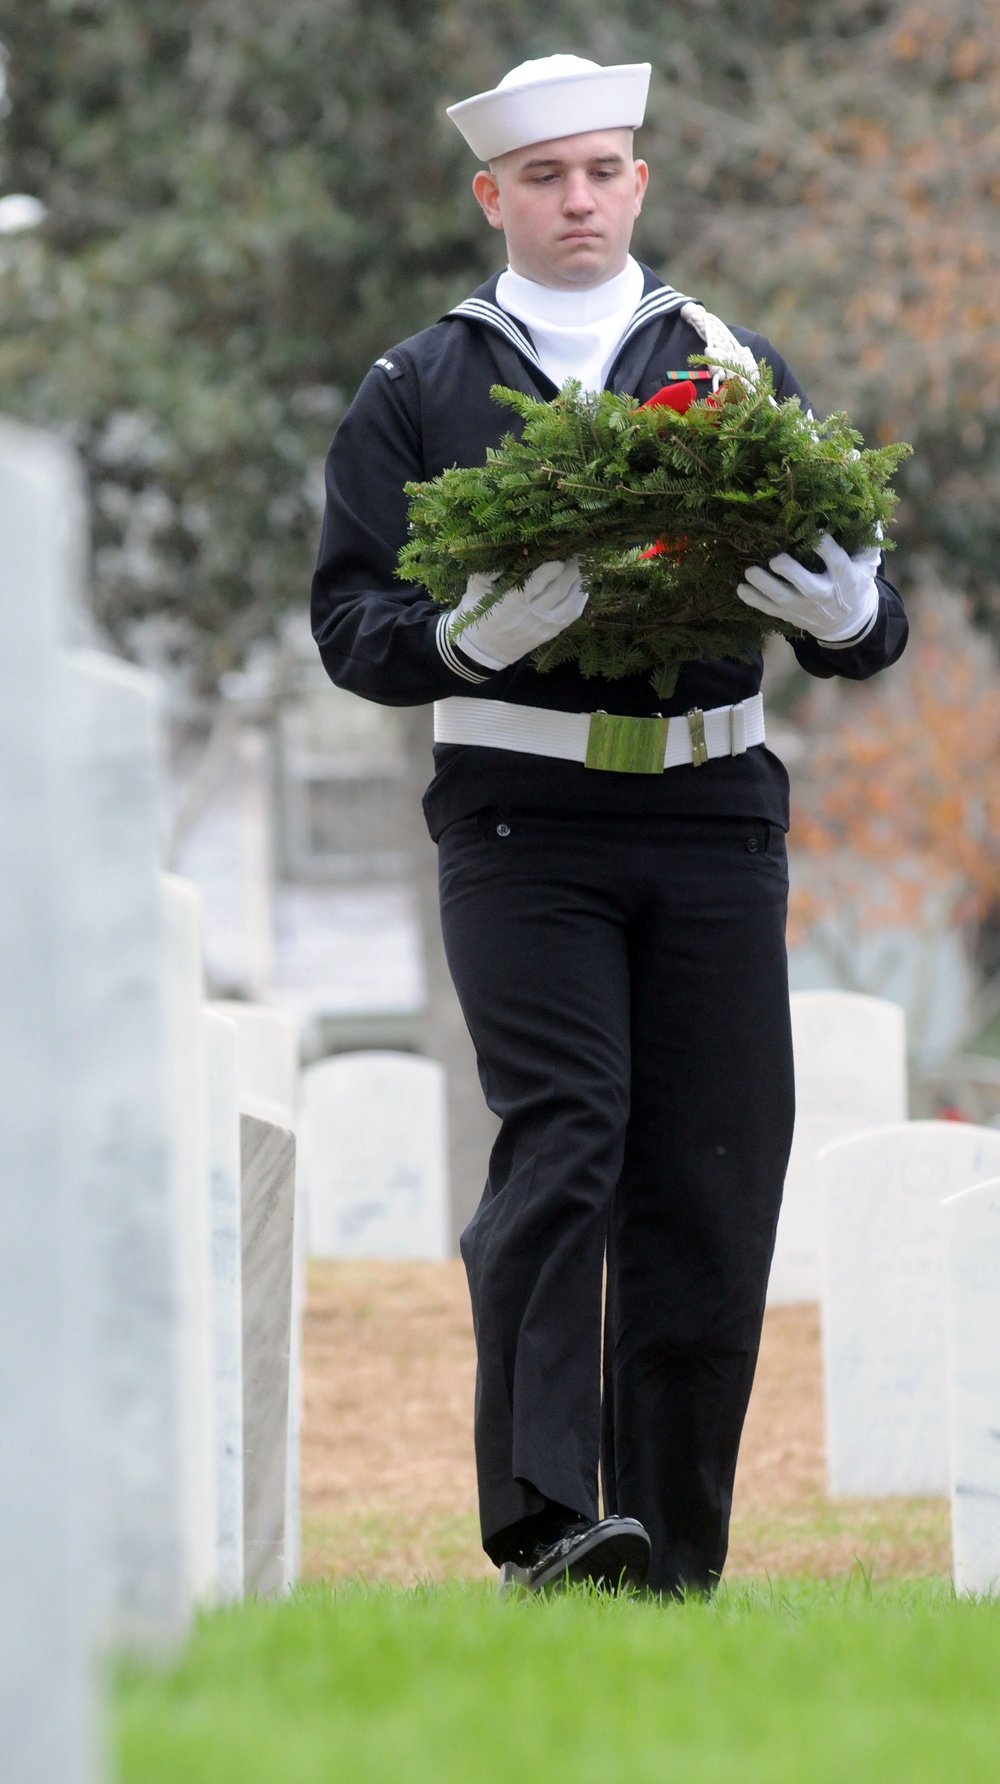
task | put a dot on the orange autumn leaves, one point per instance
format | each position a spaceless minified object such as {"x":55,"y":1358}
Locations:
{"x":902,"y":805}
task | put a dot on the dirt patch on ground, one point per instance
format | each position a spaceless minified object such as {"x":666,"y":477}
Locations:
{"x":388,"y":1476}
{"x":389,"y":1487}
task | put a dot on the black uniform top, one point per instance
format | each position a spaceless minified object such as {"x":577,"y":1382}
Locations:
{"x":425,"y":405}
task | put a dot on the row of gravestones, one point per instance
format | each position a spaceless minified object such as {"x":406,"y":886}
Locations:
{"x":147,"y":1230}
{"x":374,"y":1143}
{"x":894,"y":1227}
{"x":374,"y":1148}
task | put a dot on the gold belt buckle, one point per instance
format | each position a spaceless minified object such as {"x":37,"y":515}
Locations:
{"x":699,"y":742}
{"x":626,"y":745}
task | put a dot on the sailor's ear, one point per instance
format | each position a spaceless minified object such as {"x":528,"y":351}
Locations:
{"x":641,"y":182}
{"x":487,"y":190}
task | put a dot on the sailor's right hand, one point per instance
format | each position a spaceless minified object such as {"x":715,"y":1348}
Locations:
{"x":541,"y":607}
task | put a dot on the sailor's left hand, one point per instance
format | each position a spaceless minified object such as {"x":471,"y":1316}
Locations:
{"x":835,"y":606}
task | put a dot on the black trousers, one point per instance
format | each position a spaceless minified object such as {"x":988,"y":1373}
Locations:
{"x":625,"y":984}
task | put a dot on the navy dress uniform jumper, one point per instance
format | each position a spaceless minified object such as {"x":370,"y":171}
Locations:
{"x":617,"y":944}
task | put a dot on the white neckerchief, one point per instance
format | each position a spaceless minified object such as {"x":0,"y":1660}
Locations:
{"x":575,"y":333}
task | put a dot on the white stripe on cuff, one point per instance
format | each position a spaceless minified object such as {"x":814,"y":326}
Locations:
{"x":858,"y":638}
{"x":449,"y":655}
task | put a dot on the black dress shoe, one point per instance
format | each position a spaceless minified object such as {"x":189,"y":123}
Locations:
{"x":614,"y":1553}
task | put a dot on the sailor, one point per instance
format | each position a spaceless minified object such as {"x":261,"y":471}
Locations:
{"x":616,"y":938}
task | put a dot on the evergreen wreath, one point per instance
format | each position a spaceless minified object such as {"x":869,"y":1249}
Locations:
{"x":666,"y":504}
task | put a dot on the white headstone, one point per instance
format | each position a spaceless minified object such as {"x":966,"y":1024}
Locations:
{"x":268,"y":1056}
{"x":110,"y":715}
{"x":293,"y":1470}
{"x":227,"y":1297}
{"x":374,"y":1145}
{"x":186,"y":1078}
{"x":883,"y":1300}
{"x":46,"y":1528}
{"x":268,"y":1082}
{"x":850,"y":1075}
{"x":972,"y":1271}
{"x":268,"y":1195}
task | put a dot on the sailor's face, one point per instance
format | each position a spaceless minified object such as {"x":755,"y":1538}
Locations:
{"x":567,"y":207}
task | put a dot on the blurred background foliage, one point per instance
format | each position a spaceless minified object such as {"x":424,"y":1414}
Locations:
{"x":248,"y":203}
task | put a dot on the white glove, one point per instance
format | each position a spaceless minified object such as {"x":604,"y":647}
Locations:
{"x":834,"y":606}
{"x":547,"y":601}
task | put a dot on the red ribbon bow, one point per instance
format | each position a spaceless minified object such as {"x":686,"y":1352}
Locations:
{"x":673,"y":396}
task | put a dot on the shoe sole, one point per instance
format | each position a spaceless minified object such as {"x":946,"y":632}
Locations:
{"x":612,"y":1559}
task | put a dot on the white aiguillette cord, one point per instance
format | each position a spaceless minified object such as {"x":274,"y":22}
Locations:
{"x":720,"y":342}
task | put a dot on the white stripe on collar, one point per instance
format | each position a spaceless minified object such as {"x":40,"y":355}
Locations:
{"x":663,"y":300}
{"x":481,"y":309}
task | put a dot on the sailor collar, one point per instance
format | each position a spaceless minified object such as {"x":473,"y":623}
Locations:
{"x":657,"y":300}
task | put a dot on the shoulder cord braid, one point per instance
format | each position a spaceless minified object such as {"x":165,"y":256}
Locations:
{"x":719,"y":341}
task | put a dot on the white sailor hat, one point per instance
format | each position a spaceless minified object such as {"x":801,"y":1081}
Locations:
{"x":554,"y":96}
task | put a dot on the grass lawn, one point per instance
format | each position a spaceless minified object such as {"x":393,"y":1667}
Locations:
{"x":802,"y":1683}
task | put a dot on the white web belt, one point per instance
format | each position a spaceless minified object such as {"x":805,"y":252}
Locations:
{"x":603,"y":740}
